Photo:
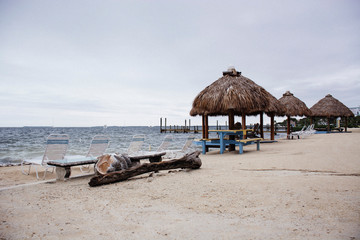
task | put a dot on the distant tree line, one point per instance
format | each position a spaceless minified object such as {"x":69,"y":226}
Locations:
{"x":320,"y":123}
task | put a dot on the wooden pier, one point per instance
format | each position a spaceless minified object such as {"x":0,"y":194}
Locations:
{"x":187,"y":128}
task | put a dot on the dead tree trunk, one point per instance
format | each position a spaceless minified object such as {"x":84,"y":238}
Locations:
{"x":190,"y":160}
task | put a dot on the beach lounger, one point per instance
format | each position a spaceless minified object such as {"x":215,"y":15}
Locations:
{"x":188,"y":143}
{"x":56,"y":147}
{"x":185,"y":149}
{"x":309,"y":130}
{"x":136,"y":144}
{"x":312,"y":130}
{"x":98,"y":145}
{"x":304,"y":132}
{"x":135,"y":152}
{"x":165,"y":143}
{"x":298,"y":133}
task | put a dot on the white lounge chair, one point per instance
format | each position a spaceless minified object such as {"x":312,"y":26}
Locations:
{"x":98,"y":145}
{"x":188,"y":143}
{"x":165,"y":143}
{"x":136,"y":144}
{"x":310,"y":130}
{"x":182,"y":151}
{"x":56,"y":147}
{"x":298,"y":133}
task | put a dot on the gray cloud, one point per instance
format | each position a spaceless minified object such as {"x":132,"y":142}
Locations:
{"x":132,"y":62}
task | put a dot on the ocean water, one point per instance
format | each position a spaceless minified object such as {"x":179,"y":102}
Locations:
{"x":17,"y":144}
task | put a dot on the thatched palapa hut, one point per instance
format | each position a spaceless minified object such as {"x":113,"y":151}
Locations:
{"x":274,"y":108}
{"x":233,"y":94}
{"x":331,"y":107}
{"x":293,"y":107}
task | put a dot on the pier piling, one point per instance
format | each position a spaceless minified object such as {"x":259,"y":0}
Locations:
{"x":178,"y":129}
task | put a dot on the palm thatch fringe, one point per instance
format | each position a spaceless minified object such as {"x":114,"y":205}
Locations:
{"x":330,"y":107}
{"x":294,"y":106}
{"x":234,"y":92}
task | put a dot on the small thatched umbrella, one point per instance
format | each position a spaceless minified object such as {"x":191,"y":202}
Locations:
{"x":232,"y":94}
{"x":294,"y":107}
{"x":331,"y":107}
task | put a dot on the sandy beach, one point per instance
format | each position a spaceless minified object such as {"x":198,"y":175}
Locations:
{"x":294,"y":189}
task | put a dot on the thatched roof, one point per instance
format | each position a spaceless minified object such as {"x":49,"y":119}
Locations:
{"x":294,"y":106}
{"x":234,"y":92}
{"x":274,"y":107}
{"x":330,"y":107}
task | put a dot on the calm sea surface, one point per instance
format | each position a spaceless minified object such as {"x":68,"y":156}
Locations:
{"x":17,"y":144}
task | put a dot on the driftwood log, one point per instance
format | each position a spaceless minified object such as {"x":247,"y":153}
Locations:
{"x":190,"y":160}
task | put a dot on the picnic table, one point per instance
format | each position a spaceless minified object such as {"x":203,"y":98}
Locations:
{"x":222,"y":142}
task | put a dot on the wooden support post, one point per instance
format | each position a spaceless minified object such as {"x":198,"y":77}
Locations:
{"x":231,"y":119}
{"x":328,"y":124}
{"x":206,"y":126}
{"x":243,"y":121}
{"x":160,"y":125}
{"x":272,"y":127}
{"x":231,"y":127}
{"x":165,"y":125}
{"x":203,"y":126}
{"x":262,"y":125}
{"x":346,"y":123}
{"x":288,"y":127}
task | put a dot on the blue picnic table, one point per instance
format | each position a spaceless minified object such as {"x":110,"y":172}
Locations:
{"x":223,"y":142}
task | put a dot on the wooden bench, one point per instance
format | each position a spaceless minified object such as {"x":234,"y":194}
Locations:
{"x":209,"y":139}
{"x":206,"y":143}
{"x":63,"y":167}
{"x":152,"y":156}
{"x":244,"y":142}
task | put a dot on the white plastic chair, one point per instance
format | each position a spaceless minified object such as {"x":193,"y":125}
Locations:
{"x":188,"y":143}
{"x":298,"y":133}
{"x":98,"y":145}
{"x":136,"y":144}
{"x":311,"y":130}
{"x":182,"y":151}
{"x":56,"y":147}
{"x":165,"y":143}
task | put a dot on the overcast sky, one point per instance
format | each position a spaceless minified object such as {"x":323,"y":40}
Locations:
{"x":91,"y":63}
